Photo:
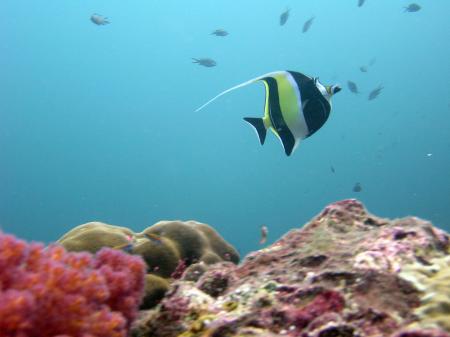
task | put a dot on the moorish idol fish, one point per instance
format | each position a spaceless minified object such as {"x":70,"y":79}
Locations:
{"x":296,"y":106}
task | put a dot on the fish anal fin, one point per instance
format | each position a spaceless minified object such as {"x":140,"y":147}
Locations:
{"x":258,"y":125}
{"x":289,"y":145}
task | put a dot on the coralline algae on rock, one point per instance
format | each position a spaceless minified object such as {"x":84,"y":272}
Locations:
{"x":346,"y":273}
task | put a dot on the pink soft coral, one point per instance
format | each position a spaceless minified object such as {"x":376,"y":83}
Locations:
{"x":45,"y":291}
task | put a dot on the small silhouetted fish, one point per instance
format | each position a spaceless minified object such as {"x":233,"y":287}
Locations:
{"x":284,"y":16}
{"x":361,"y":2}
{"x":352,"y":87}
{"x":308,"y":24}
{"x":332,"y":169}
{"x":357,"y":187}
{"x":363,"y":69}
{"x":206,"y":62}
{"x":264,"y":234}
{"x":126,"y":247}
{"x":412,"y":8}
{"x":372,"y":61}
{"x":219,"y":32}
{"x":374,"y":93}
{"x":99,"y":19}
{"x":153,"y":238}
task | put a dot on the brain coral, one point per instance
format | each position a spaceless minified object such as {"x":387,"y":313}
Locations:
{"x":163,"y":246}
{"x":93,"y":236}
{"x":45,"y":291}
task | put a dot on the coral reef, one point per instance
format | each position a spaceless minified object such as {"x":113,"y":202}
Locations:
{"x":346,"y":273}
{"x":46,"y":291}
{"x":433,"y":281}
{"x":167,"y":247}
{"x":93,"y":236}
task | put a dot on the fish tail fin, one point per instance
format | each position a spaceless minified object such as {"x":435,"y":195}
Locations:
{"x":253,"y":80}
{"x":195,"y":60}
{"x":258,"y":125}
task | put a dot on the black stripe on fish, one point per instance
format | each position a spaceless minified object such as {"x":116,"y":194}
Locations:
{"x":276,"y":117}
{"x":259,"y":126}
{"x":316,"y":109}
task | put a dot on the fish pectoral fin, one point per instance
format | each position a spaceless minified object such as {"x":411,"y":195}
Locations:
{"x":258,"y":125}
{"x":304,"y":104}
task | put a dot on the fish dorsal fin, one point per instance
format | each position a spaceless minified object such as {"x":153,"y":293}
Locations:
{"x":237,"y":87}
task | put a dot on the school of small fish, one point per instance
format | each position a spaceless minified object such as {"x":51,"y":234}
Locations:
{"x":207,"y":62}
{"x":284,"y":17}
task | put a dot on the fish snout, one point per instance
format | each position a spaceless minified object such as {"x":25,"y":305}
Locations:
{"x":335,"y":89}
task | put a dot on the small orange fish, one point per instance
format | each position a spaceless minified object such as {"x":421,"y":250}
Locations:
{"x":264,"y":233}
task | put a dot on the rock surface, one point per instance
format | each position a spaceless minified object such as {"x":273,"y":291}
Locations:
{"x":346,"y":273}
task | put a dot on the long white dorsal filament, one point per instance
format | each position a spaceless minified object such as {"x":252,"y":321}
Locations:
{"x":234,"y":88}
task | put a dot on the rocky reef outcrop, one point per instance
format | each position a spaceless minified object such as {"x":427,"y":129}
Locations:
{"x":347,"y":273}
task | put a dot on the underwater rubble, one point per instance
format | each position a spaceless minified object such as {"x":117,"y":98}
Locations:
{"x":347,"y":273}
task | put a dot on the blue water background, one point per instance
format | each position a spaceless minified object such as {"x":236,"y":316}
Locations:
{"x":97,"y":123}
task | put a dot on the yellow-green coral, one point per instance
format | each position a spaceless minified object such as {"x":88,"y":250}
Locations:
{"x":93,"y":236}
{"x":434,"y":282}
{"x":230,"y":305}
{"x":164,"y":247}
{"x":198,"y":327}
